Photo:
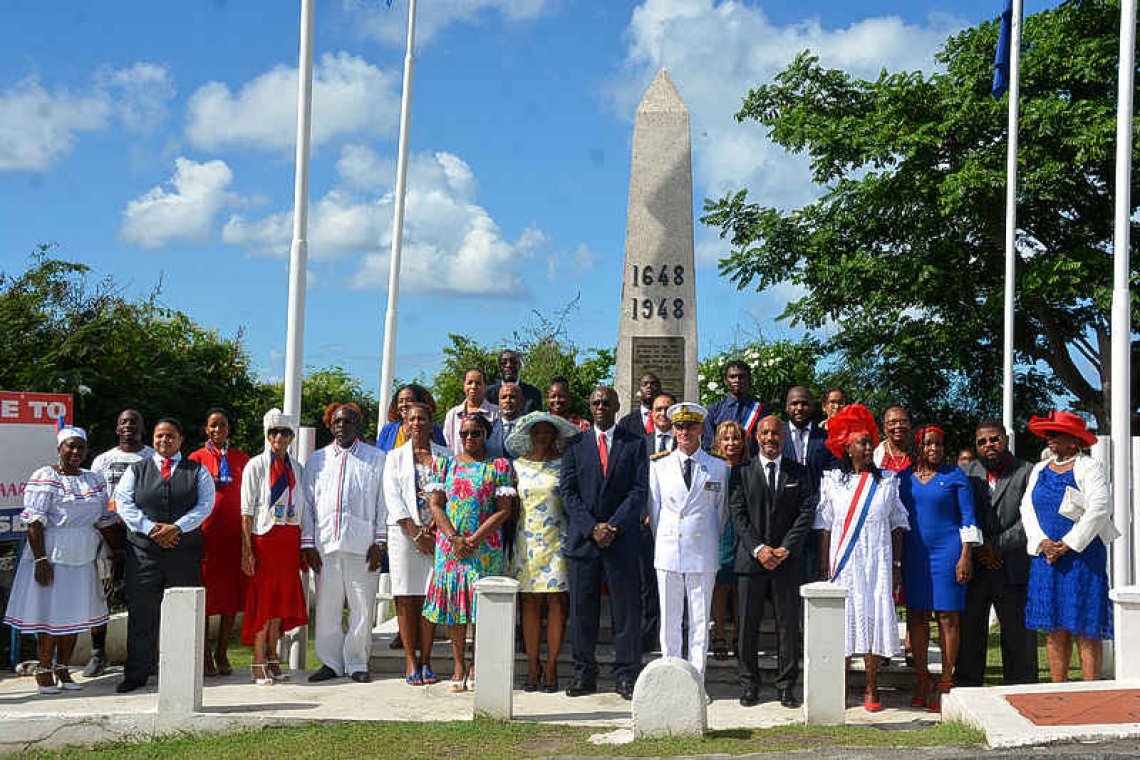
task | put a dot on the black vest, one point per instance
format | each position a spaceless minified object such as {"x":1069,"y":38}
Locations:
{"x":161,"y":500}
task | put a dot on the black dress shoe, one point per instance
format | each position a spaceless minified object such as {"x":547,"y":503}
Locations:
{"x":580,"y":688}
{"x":788,"y":698}
{"x":750,"y":698}
{"x":550,"y":688}
{"x":128,"y":685}
{"x":624,"y":689}
{"x":361,"y":676}
{"x":324,"y":674}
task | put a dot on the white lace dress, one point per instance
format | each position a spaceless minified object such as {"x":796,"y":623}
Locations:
{"x":872,"y":625}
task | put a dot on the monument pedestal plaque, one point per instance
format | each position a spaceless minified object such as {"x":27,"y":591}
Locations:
{"x":657,"y":331}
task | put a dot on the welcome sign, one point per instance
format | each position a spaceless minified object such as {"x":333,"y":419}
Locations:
{"x":27,"y":442}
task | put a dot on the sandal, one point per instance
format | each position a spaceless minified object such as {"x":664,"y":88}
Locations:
{"x":63,"y":675}
{"x":427,"y":676}
{"x":209,"y":669}
{"x":934,"y":701}
{"x":49,"y":688}
{"x":719,"y":649}
{"x":274,"y":670}
{"x":266,"y":679}
{"x":458,"y":685}
{"x":224,"y":667}
{"x":396,"y":642}
{"x":415,"y":678}
{"x":922,"y":686}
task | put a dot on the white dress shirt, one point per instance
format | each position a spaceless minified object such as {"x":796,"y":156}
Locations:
{"x":800,"y":441}
{"x":668,"y":438}
{"x":345,"y":491}
{"x":609,"y":434}
{"x":134,"y":518}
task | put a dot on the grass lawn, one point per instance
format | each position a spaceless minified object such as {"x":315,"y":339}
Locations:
{"x":490,"y":740}
{"x":993,"y":660}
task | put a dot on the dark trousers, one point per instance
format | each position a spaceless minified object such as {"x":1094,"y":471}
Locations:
{"x":782,"y":587}
{"x":150,"y":571}
{"x":1018,"y":646}
{"x":618,"y":565}
{"x":650,"y":605}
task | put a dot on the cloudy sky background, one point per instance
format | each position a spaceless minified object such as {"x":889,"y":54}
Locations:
{"x":156,"y":140}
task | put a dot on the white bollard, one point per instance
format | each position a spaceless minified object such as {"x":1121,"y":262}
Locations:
{"x":495,"y":598}
{"x":1127,"y":624}
{"x":824,"y":664}
{"x":181,"y":641}
{"x":669,"y":700}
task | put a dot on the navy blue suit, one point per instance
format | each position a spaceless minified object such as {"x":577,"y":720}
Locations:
{"x":818,"y":459}
{"x":729,"y":408}
{"x":618,"y":498}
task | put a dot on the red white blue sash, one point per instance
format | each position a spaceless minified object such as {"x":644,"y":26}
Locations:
{"x":752,"y":418}
{"x":853,"y":522}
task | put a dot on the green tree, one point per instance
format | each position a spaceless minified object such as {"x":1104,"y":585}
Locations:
{"x":903,"y":252}
{"x":777,"y":365}
{"x":64,"y":333}
{"x":319,"y":388}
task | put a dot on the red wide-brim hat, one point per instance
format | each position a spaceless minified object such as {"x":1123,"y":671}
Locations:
{"x":1061,"y":422}
{"x":849,"y":421}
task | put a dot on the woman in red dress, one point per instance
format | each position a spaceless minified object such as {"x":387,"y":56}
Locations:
{"x":221,"y":536}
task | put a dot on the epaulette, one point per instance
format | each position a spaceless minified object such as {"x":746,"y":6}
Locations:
{"x":659,"y":455}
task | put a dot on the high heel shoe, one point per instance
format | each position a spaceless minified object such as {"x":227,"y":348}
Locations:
{"x":922,"y":685}
{"x":872,"y":702}
{"x":275,"y":671}
{"x":529,"y":687}
{"x":265,"y":679}
{"x":934,"y":701}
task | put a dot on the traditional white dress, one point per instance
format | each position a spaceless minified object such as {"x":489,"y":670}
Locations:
{"x":872,"y":625}
{"x":71,"y":508}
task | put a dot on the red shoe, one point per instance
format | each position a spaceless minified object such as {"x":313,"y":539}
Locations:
{"x":922,"y":685}
{"x":934,"y":703}
{"x":871,"y":702}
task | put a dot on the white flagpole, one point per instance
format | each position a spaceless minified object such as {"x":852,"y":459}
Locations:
{"x":1121,"y":377}
{"x":387,"y":366}
{"x":1011,"y":218}
{"x":299,"y":251}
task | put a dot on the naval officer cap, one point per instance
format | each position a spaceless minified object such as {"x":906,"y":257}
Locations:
{"x":687,"y":413}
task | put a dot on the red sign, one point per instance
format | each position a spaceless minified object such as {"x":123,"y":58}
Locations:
{"x":17,"y":408}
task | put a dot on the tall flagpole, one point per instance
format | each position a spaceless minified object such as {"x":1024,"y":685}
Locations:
{"x":1121,"y":378}
{"x":387,"y":366}
{"x":299,"y":250}
{"x":1011,"y":219}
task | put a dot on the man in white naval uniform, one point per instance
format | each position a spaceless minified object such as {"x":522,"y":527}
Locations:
{"x":344,"y":537}
{"x":688,"y":488}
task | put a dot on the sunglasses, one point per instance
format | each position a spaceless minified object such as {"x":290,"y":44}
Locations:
{"x":465,"y":434}
{"x":992,"y":439}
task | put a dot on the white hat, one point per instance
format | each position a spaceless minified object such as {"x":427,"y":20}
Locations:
{"x":69,"y":431}
{"x":520,"y":442}
{"x":687,"y":413}
{"x":275,"y":418}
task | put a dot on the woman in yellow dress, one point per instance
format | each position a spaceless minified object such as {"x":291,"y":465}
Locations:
{"x":538,"y":563}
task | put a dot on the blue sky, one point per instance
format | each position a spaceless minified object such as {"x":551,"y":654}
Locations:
{"x":156,"y":140}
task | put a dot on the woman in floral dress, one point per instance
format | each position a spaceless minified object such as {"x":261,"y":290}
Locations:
{"x":470,"y":500}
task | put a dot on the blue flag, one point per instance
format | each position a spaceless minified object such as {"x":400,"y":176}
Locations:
{"x":1001,"y":59}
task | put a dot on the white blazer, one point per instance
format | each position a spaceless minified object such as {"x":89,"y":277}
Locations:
{"x":400,"y":482}
{"x":255,"y":492}
{"x":686,"y":522}
{"x":1097,"y":519}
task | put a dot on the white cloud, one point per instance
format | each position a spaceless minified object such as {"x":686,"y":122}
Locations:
{"x":361,"y":168}
{"x":141,"y":93}
{"x":750,"y":49}
{"x":183,"y":208}
{"x":452,"y":245}
{"x":373,"y":19}
{"x":350,"y":95}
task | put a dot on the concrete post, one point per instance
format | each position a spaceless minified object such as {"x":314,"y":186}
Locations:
{"x":1127,"y":624}
{"x":824,"y":663}
{"x":495,"y":646}
{"x":181,"y":641}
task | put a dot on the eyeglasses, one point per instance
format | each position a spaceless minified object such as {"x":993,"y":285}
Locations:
{"x":992,"y":439}
{"x":465,"y":434}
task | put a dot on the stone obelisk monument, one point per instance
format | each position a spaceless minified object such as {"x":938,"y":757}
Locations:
{"x":657,"y":331}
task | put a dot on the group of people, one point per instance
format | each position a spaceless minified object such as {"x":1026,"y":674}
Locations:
{"x":685,"y":517}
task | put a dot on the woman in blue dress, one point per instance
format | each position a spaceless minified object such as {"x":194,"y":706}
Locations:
{"x":395,"y":433}
{"x":936,"y":561}
{"x":1067,"y":522}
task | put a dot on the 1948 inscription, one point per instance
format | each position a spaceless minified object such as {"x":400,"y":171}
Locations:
{"x":652,"y":308}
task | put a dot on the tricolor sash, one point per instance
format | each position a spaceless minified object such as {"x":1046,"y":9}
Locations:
{"x":752,"y":418}
{"x":853,"y":523}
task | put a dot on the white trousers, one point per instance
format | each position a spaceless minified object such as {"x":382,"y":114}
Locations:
{"x":344,"y":577}
{"x":677,"y":591}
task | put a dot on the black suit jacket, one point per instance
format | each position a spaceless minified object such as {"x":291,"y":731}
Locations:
{"x":819,"y":457}
{"x":779,"y":519}
{"x":617,"y":498}
{"x":532,"y":397}
{"x":632,"y":423}
{"x":999,"y":515}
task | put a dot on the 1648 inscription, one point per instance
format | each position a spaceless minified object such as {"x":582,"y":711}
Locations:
{"x":657,"y":308}
{"x":664,"y":357}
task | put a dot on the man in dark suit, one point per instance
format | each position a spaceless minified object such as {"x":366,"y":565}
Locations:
{"x":806,"y":443}
{"x":603,"y":484}
{"x":509,"y":368}
{"x":1001,"y":565}
{"x":661,"y":439}
{"x":772,"y":502}
{"x":510,"y":401}
{"x":640,"y":420}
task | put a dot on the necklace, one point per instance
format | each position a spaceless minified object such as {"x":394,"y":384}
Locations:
{"x":1058,"y":462}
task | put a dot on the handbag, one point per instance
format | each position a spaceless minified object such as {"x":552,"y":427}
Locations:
{"x":1072,"y":504}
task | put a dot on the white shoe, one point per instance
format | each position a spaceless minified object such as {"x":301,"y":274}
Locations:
{"x":50,"y":688}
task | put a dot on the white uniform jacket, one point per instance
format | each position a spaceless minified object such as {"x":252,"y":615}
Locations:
{"x":400,"y":482}
{"x":346,"y":492}
{"x":686,"y":523}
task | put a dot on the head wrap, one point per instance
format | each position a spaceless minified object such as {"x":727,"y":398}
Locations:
{"x":69,"y":431}
{"x":851,"y":420}
{"x":921,"y":433}
{"x":275,"y":418}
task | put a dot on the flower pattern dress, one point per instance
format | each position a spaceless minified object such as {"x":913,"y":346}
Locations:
{"x":538,"y":563}
{"x":471,"y":488}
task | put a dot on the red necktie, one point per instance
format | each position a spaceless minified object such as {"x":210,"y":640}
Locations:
{"x":603,"y":452}
{"x":649,"y":425}
{"x":166,"y":465}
